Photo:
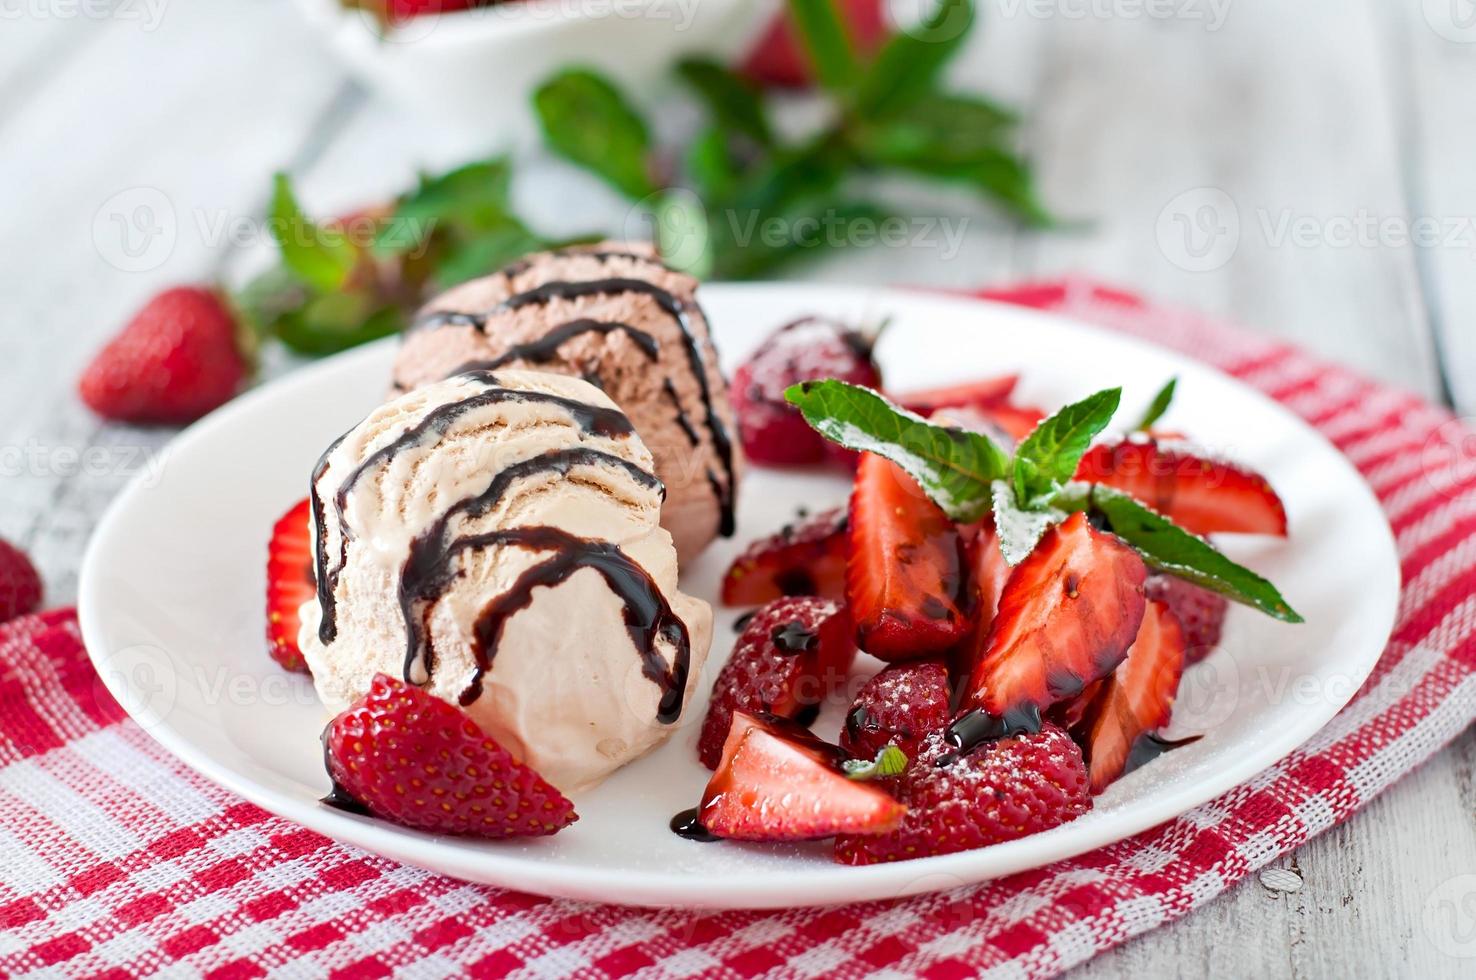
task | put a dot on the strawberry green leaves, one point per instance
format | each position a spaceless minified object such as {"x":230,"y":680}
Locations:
{"x":954,"y":467}
{"x":588,"y":121}
{"x":1169,"y":548}
{"x":1048,"y":457}
{"x":321,"y":259}
{"x":890,"y":761}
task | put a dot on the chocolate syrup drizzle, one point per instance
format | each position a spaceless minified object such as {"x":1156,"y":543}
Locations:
{"x":546,"y":348}
{"x":648,"y":616}
{"x":426,"y":573}
{"x":673,"y":307}
{"x":429,"y":568}
{"x":593,"y":419}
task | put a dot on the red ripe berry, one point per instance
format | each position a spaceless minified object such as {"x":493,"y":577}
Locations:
{"x":905,"y":576}
{"x":791,"y":654}
{"x":777,"y":782}
{"x":772,"y":430}
{"x":804,"y":558}
{"x":1200,"y":611}
{"x":415,"y":760}
{"x":1136,"y":701}
{"x":20,"y":585}
{"x":289,"y":584}
{"x":1066,"y":617}
{"x":996,"y":792}
{"x":778,"y":58}
{"x":1199,"y":494}
{"x":175,"y":360}
{"x":900,"y":706}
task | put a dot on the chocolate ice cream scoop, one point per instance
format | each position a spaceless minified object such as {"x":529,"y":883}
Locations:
{"x":614,"y":316}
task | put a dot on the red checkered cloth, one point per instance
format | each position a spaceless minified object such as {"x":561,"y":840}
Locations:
{"x":116,"y":861}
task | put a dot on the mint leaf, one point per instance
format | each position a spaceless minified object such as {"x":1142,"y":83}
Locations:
{"x":1158,"y":406}
{"x":937,"y":130}
{"x":588,"y":122}
{"x":1019,"y":530}
{"x":890,"y":761}
{"x":994,"y":172}
{"x":1048,"y":457}
{"x":319,"y":258}
{"x":1169,"y":548}
{"x":733,"y":102}
{"x":827,"y":41}
{"x":908,"y":64}
{"x":470,"y":198}
{"x":954,"y":467}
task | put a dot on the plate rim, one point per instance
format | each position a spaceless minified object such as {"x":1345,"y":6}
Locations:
{"x":771,"y":888}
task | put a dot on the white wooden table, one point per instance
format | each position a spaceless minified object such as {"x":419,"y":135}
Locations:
{"x":1325,"y":127}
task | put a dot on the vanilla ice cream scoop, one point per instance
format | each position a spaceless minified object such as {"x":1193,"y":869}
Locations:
{"x":615,"y":316}
{"x":495,"y":539}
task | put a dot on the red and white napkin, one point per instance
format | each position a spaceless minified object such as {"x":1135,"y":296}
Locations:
{"x":116,"y":861}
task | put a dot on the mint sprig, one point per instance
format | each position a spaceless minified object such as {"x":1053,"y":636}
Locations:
{"x":1047,"y":459}
{"x":967,"y":475}
{"x":890,"y":761}
{"x":955,"y":467}
{"x":1158,"y":406}
{"x":320,"y":258}
{"x":1169,"y":548}
{"x":590,"y":122}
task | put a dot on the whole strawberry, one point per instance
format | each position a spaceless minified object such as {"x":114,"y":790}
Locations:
{"x":175,"y":360}
{"x":20,"y":586}
{"x":996,"y":792}
{"x":772,"y":430}
{"x":415,"y":760}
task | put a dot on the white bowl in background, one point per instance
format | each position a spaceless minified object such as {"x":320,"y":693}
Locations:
{"x":477,"y":69}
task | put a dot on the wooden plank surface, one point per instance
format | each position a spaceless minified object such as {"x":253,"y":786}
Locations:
{"x":1314,"y":113}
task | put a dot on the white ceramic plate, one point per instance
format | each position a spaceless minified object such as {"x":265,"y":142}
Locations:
{"x":172,"y":586}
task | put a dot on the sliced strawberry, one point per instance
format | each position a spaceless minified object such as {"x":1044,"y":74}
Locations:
{"x":777,"y":782}
{"x":956,"y":801}
{"x":1199,"y":611}
{"x":1066,"y":617}
{"x":408,"y":757}
{"x":986,"y":393}
{"x":805,"y":558}
{"x":900,"y":706}
{"x":904,"y":576}
{"x":1068,"y":714}
{"x":1201,"y":495}
{"x":1135,"y":701}
{"x":289,"y":584}
{"x":791,"y":654}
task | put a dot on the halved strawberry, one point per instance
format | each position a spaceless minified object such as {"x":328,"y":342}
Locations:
{"x":791,"y":654}
{"x":900,"y":706}
{"x":1016,"y":420}
{"x":777,"y":782}
{"x":411,"y":758}
{"x":805,"y":558}
{"x":1066,"y":617}
{"x":985,"y":393}
{"x":958,"y":801}
{"x":1135,"y":701}
{"x":905,"y":574}
{"x":1199,"y":611}
{"x":289,"y":584}
{"x":1201,"y":495}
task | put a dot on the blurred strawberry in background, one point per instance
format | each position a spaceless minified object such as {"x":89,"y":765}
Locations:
{"x":779,"y":59}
